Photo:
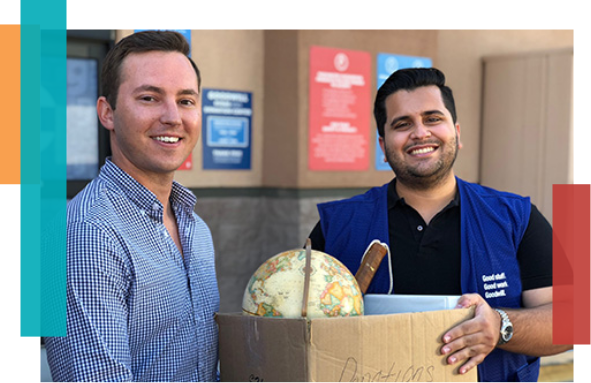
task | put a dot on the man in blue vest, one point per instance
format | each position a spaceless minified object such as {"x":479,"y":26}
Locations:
{"x":447,"y":236}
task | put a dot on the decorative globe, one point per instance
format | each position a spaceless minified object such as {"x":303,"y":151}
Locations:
{"x":276,"y":289}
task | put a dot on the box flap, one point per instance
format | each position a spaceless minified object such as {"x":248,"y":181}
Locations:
{"x":396,"y":347}
{"x":262,"y":349}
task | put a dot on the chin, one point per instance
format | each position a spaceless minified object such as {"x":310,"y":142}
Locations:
{"x":166,"y":168}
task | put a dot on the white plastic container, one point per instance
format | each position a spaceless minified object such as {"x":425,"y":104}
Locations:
{"x":376,"y":304}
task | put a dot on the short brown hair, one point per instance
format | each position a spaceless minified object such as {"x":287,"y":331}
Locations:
{"x":147,"y":41}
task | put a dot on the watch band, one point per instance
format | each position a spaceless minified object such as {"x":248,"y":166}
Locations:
{"x":506,"y":330}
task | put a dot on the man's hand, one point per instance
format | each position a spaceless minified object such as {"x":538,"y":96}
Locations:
{"x":472,"y":340}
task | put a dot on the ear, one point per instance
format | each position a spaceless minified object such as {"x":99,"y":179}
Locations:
{"x":105,"y":113}
{"x":382,"y":146}
{"x":458,"y":135}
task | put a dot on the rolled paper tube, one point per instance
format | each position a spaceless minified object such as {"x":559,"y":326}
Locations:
{"x":369,"y":265}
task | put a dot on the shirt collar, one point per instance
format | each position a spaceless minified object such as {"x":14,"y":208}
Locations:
{"x":394,"y":199}
{"x":140,"y":195}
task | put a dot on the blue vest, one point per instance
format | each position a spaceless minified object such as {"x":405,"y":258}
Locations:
{"x":493,"y":224}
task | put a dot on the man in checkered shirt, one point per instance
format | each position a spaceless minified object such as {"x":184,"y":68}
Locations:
{"x":142,"y":291}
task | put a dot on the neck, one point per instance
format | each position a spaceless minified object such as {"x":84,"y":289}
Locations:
{"x":162,"y":188}
{"x":429,"y":201}
{"x":162,"y":191}
{"x":159,"y":184}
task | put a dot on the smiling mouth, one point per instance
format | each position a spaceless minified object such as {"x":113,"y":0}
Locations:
{"x":422,"y":150}
{"x":167,"y":139}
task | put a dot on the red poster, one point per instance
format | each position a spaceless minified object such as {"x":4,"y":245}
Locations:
{"x":339,"y":109}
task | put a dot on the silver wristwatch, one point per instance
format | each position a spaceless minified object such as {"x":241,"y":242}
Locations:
{"x":506,"y":328}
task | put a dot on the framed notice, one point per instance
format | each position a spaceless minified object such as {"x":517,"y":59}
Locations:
{"x":388,"y":64}
{"x":226,"y":130}
{"x":339,"y":110}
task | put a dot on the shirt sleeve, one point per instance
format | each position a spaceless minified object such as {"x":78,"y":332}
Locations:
{"x":535,"y":252}
{"x":317,"y":238}
{"x":96,"y":347}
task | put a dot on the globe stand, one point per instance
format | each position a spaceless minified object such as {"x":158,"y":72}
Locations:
{"x":307,"y":272}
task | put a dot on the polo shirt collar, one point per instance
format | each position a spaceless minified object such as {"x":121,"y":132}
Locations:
{"x":394,"y":199}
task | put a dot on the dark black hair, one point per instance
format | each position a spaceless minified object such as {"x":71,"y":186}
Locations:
{"x":147,"y":41}
{"x":410,"y":79}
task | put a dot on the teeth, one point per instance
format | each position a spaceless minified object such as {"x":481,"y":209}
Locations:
{"x":422,"y":151}
{"x":167,"y":139}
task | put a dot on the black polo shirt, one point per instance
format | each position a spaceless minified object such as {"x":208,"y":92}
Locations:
{"x":426,"y":259}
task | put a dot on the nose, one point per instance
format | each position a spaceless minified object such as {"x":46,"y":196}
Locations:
{"x":420,"y":132}
{"x":170,"y":113}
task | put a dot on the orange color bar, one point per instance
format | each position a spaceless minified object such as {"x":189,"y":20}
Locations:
{"x":10,"y":147}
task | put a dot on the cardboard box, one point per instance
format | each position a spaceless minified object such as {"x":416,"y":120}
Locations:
{"x":395,"y":347}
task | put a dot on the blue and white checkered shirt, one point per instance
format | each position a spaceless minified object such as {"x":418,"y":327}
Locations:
{"x":136,"y":309}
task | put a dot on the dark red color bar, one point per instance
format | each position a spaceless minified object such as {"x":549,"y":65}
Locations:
{"x":571,"y":264}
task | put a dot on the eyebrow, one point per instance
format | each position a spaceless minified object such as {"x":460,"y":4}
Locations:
{"x":190,"y":92}
{"x":158,"y":90}
{"x":426,"y":113}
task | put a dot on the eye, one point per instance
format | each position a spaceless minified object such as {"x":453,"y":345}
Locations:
{"x":401,"y":125}
{"x":434,"y":119}
{"x":147,"y":98}
{"x":187,"y":102}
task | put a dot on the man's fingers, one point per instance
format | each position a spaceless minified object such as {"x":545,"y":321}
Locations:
{"x":471,"y":363}
{"x":467,"y":328}
{"x":466,"y":353}
{"x":473,"y":341}
{"x":468,"y":300}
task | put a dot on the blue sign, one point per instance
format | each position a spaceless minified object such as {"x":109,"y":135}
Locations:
{"x":227,"y":129}
{"x":185,"y":32}
{"x":388,"y":64}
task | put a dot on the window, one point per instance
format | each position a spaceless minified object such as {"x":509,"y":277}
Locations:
{"x":82,"y":121}
{"x":87,"y":141}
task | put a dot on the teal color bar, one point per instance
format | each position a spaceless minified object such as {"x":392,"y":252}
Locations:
{"x":30,"y":261}
{"x":30,"y":109}
{"x":30,"y":182}
{"x":53,"y":180}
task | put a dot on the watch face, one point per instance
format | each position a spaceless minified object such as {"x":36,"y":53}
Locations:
{"x":507,"y":333}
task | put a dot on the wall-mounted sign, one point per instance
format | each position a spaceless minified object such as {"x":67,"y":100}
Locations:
{"x":339,"y":114}
{"x":227,"y":129}
{"x":388,"y":64}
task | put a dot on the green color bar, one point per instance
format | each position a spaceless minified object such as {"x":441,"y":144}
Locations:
{"x":9,"y":274}
{"x":30,"y":182}
{"x":53,"y":180}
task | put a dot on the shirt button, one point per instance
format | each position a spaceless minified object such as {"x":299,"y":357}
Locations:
{"x":420,"y":228}
{"x":155,"y":206}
